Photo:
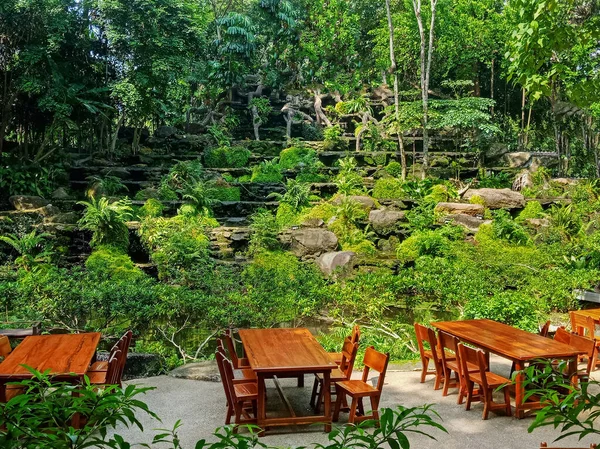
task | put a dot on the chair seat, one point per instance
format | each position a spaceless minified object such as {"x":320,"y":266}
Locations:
{"x":357,"y":388}
{"x":448,"y":355}
{"x":99,"y":366}
{"x":494,"y":380}
{"x":246,"y":391}
{"x":335,"y":376}
{"x":96,"y":377}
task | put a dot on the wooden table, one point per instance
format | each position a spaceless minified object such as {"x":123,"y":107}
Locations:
{"x":67,"y":356}
{"x":513,"y":344}
{"x":287,"y":352}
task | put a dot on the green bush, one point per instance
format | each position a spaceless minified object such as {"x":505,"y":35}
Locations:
{"x":227,"y":157}
{"x":394,"y":169}
{"x":533,"y":209}
{"x":264,"y":229}
{"x":151,"y":208}
{"x":513,"y":308}
{"x":183,"y":173}
{"x":267,"y":171}
{"x":504,"y":227}
{"x":293,"y":157}
{"x":223,"y":193}
{"x":107,"y":220}
{"x":388,"y":188}
{"x":109,"y":262}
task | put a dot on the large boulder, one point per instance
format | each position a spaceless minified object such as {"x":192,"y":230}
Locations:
{"x":385,"y":219}
{"x":312,"y":241}
{"x":25,"y":202}
{"x":460,"y":208}
{"x":517,"y":159}
{"x":60,"y":194}
{"x":330,"y":262}
{"x":498,"y":198}
{"x":366,"y":201}
{"x":468,"y":222}
{"x":164,"y":132}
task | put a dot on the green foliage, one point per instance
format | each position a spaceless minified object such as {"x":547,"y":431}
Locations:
{"x":388,"y":188}
{"x":332,"y":138}
{"x":349,"y":179}
{"x":200,"y":196}
{"x":565,"y":220}
{"x":42,"y":416}
{"x":394,"y":169}
{"x":107,"y":220}
{"x":510,"y":307}
{"x":493,"y":180}
{"x":267,"y":171}
{"x":264,"y":229}
{"x":180,"y":248}
{"x":109,"y":263}
{"x":225,"y":193}
{"x":151,"y":208}
{"x":533,"y":209}
{"x":504,"y":227}
{"x":297,"y":157}
{"x":297,"y":195}
{"x":227,"y":157}
{"x":105,"y":186}
{"x":18,"y":178}
{"x":182,"y":174}
{"x":437,"y":243}
{"x":33,"y":248}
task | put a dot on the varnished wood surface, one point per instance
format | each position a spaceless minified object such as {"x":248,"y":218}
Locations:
{"x":506,"y":341}
{"x":285,"y":349}
{"x":61,"y":354}
{"x":593,"y":313}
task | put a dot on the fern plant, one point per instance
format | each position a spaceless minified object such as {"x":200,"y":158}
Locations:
{"x":199,"y":196}
{"x":264,"y":230}
{"x":33,"y":248}
{"x":106,"y":186}
{"x":297,"y":195}
{"x":107,"y":220}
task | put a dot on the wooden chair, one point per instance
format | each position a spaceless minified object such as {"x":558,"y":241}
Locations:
{"x":354,"y":337}
{"x":344,"y":372}
{"x":112,"y":375}
{"x":239,"y":375}
{"x":427,"y":336}
{"x":449,"y":345}
{"x":545,"y":329}
{"x":5,"y":348}
{"x":238,"y":362}
{"x":359,"y":389}
{"x":241,"y":397}
{"x":586,"y":327}
{"x":589,"y":346}
{"x":487,"y":381}
{"x":122,"y":345}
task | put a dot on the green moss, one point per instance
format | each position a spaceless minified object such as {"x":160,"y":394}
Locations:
{"x":394,"y":169}
{"x":388,"y":188}
{"x":532,"y":209}
{"x":286,"y":215}
{"x":292,"y":157}
{"x":324,"y":211}
{"x":476,"y":199}
{"x":225,"y":193}
{"x":227,"y":157}
{"x":269,"y":171}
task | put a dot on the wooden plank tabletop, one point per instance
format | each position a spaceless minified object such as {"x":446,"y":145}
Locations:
{"x":284,"y":349}
{"x":61,"y":354}
{"x":507,"y":341}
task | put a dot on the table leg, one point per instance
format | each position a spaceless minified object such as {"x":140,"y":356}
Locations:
{"x":261,"y":409}
{"x":519,"y":390}
{"x":2,"y":391}
{"x":572,"y":371}
{"x":327,"y":398}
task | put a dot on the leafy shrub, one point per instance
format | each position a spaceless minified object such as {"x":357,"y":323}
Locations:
{"x":565,"y":219}
{"x":388,"y":188}
{"x":499,"y":180}
{"x":199,"y":195}
{"x":349,"y":179}
{"x":107,"y":220}
{"x":286,"y":215}
{"x":332,"y":137}
{"x":105,"y":186}
{"x":394,"y":169}
{"x":533,"y":209}
{"x":504,"y":227}
{"x":183,"y":174}
{"x":425,"y":243}
{"x":108,"y":262}
{"x":151,"y":208}
{"x":17,"y":178}
{"x":33,"y":248}
{"x":477,"y":199}
{"x":513,"y":308}
{"x":293,"y":157}
{"x":267,"y":171}
{"x":180,"y":248}
{"x":264,"y":229}
{"x":297,"y":195}
{"x":227,"y":157}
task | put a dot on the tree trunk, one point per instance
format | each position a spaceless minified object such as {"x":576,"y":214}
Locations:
{"x":393,"y":71}
{"x":492,"y":85}
{"x":116,"y":134}
{"x":318,"y":105}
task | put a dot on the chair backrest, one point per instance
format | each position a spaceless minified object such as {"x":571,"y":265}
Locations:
{"x":585,"y":344}
{"x":227,"y":338}
{"x":582,"y":325}
{"x":467,"y":355}
{"x":225,"y":380}
{"x":355,"y":336}
{"x":545,"y":328}
{"x":5,"y":348}
{"x":349,"y":351}
{"x":113,"y":374}
{"x":376,"y":361}
{"x":562,"y":335}
{"x":449,"y":342}
{"x":123,"y":346}
{"x":427,"y":335}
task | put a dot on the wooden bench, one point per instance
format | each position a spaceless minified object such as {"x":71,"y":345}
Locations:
{"x":20,"y":334}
